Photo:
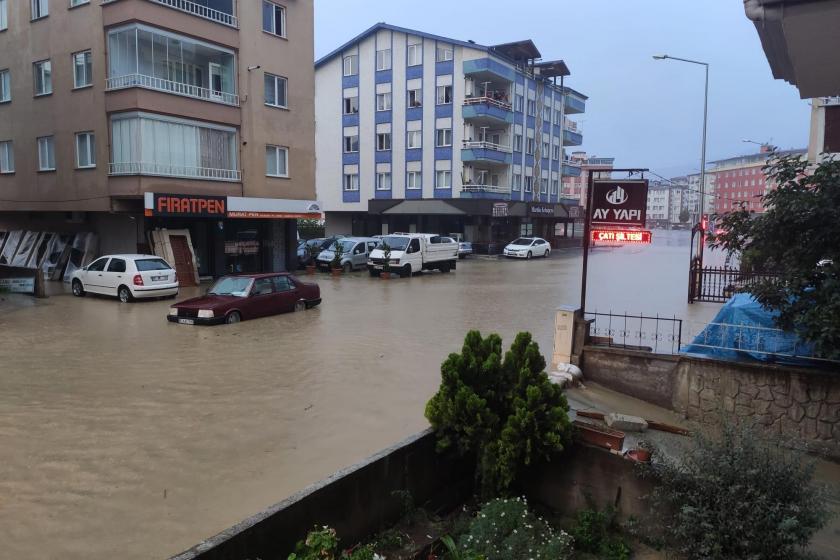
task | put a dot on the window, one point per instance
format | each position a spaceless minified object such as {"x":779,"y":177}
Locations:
{"x":4,"y":17}
{"x":43,"y":77}
{"x":414,"y":139}
{"x":351,"y":105}
{"x":383,"y":101}
{"x":383,"y":141}
{"x":517,"y":142}
{"x":546,"y":149}
{"x":98,"y":265}
{"x":444,"y":95}
{"x":7,"y":157}
{"x":351,"y":65}
{"x":351,"y":144}
{"x":46,"y":153}
{"x":517,"y":181}
{"x":443,"y":137}
{"x":414,"y":181}
{"x":74,"y":3}
{"x":415,"y":55}
{"x":529,"y":184}
{"x":532,"y":107}
{"x":556,"y":153}
{"x":276,"y":161}
{"x":443,"y":179}
{"x":40,"y":8}
{"x":351,"y":181}
{"x":547,"y":114}
{"x":518,"y":103}
{"x":275,"y":90}
{"x":383,"y":181}
{"x":383,"y":59}
{"x":415,"y":98}
{"x":555,"y":186}
{"x":543,"y":186}
{"x":5,"y":86}
{"x":116,"y":265}
{"x":82,"y":69}
{"x":530,"y":146}
{"x":444,"y":53}
{"x":281,"y":283}
{"x":85,"y":150}
{"x":274,"y":19}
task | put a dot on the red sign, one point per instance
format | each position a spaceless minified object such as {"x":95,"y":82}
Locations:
{"x":188,"y":206}
{"x":621,"y":236}
{"x":619,"y":203}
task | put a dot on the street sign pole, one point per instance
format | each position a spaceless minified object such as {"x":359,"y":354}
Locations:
{"x":587,"y":229}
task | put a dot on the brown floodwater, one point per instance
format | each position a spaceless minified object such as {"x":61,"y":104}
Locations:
{"x":122,"y":435}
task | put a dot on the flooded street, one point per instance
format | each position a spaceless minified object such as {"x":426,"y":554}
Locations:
{"x":122,"y":435}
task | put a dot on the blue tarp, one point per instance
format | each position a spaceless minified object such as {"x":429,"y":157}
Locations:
{"x":745,"y":331}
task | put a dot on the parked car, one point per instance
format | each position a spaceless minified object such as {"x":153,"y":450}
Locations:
{"x":308,"y":250}
{"x":127,"y":277}
{"x":413,"y":252}
{"x":464,"y":248}
{"x":527,"y":247}
{"x":354,"y":253}
{"x":247,"y":296}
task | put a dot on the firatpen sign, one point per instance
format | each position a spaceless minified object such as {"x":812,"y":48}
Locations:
{"x":619,"y":203}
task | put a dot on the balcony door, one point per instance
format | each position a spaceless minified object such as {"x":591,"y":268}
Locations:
{"x":215,"y":81}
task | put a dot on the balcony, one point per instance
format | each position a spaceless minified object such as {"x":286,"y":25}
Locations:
{"x":169,"y":170}
{"x":574,"y":104}
{"x":487,"y":109}
{"x":485,"y":191}
{"x":145,"y":57}
{"x":203,"y":9}
{"x":483,"y":69}
{"x":488,"y":152}
{"x":572,"y":136}
{"x":571,"y":168}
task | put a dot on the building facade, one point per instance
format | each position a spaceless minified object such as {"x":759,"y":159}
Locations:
{"x":574,"y":186}
{"x":741,"y":182}
{"x":418,"y":132}
{"x":658,"y":205}
{"x":120,"y":117}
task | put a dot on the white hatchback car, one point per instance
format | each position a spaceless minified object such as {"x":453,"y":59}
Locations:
{"x":126,"y":276}
{"x":527,"y":247}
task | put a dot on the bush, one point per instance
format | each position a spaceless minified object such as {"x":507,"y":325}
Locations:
{"x":738,"y":495}
{"x":504,"y":529}
{"x":594,"y":532}
{"x":506,"y":412}
{"x":322,"y":544}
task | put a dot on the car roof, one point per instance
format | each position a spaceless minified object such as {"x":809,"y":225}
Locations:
{"x":257,"y":275}
{"x":358,"y":239}
{"x":130,"y":256}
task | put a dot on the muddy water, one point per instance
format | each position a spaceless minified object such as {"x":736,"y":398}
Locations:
{"x":124,"y":435}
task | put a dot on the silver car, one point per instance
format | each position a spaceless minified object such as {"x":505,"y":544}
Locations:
{"x":354,"y":253}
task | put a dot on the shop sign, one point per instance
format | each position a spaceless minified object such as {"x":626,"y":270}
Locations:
{"x":541,"y":210}
{"x":245,"y":247}
{"x":500,"y":210}
{"x":621,"y":236}
{"x":17,"y":285}
{"x":620,"y":203}
{"x":574,"y":211}
{"x":189,"y":206}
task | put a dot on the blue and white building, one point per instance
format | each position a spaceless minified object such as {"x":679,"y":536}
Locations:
{"x":416,"y":132}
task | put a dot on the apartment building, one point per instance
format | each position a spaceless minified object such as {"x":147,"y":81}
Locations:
{"x":659,"y":205}
{"x":418,"y":132}
{"x":740,"y":181}
{"x":574,"y":186}
{"x":121,"y":117}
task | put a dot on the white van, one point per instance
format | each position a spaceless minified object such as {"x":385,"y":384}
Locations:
{"x":413,"y":252}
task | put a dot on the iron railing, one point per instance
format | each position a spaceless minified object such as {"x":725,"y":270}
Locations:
{"x":473,"y":145}
{"x":168,"y":86}
{"x":199,"y":10}
{"x":718,"y":284}
{"x":483,"y":100}
{"x":167,"y":170}
{"x":661,"y":335}
{"x":485,"y":188}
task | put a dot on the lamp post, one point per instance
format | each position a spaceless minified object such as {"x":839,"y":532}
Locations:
{"x":703,"y":148}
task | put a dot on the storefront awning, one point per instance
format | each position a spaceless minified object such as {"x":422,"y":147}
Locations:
{"x":201,"y":206}
{"x":423,"y":207}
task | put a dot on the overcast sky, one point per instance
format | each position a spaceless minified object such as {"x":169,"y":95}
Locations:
{"x":640,"y":111}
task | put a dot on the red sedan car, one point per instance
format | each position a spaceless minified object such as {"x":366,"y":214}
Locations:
{"x":235,"y":298}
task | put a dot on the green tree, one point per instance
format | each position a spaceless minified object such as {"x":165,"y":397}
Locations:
{"x":797,"y":237}
{"x":684,"y":216}
{"x":504,"y":411}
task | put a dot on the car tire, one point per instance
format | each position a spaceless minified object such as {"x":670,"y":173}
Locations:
{"x":124,"y":294}
{"x":78,"y":290}
{"x":233,"y":317}
{"x":300,"y":305}
{"x":348,"y":267}
{"x":445,"y":267}
{"x":528,"y":256}
{"x":405,"y":271}
{"x":547,"y":252}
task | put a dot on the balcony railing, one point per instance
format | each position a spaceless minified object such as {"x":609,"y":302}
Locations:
{"x":167,"y":170}
{"x":488,"y":101}
{"x":470,"y":145}
{"x":196,"y":9}
{"x":496,"y":189}
{"x":168,"y":86}
{"x":830,"y":101}
{"x":571,"y":126}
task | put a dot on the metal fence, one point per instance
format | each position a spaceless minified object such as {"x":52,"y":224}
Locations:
{"x":661,"y":335}
{"x":718,"y":284}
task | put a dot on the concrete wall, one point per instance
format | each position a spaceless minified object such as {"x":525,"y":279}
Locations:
{"x":799,"y":403}
{"x":360,"y":501}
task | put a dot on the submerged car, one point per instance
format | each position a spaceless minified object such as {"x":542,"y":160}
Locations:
{"x":127,"y":277}
{"x":527,"y":247}
{"x":354,"y":253}
{"x":247,"y":296}
{"x":465,"y":248}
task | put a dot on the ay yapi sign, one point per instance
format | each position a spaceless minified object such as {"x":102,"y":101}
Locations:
{"x":189,"y":206}
{"x":619,"y":203}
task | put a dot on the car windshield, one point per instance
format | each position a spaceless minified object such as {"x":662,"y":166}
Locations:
{"x":144,"y":265}
{"x":231,"y":286}
{"x":396,"y":243}
{"x":522,"y":241}
{"x":346,"y":246}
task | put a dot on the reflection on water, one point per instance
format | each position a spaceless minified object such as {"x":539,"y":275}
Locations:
{"x":116,"y":425}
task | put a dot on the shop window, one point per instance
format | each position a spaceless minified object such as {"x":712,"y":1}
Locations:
{"x":526,"y":229}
